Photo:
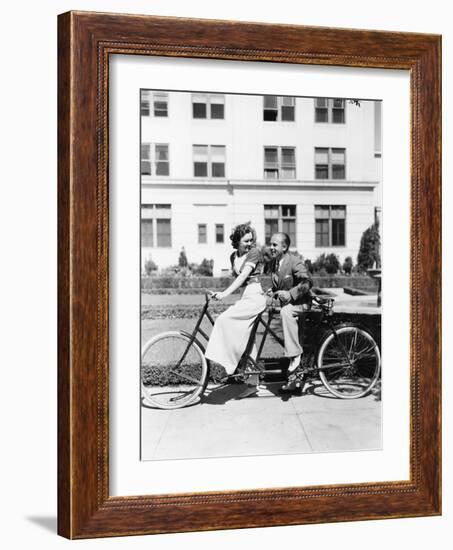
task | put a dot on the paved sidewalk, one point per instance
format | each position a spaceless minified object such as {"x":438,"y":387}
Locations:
{"x":221,"y":426}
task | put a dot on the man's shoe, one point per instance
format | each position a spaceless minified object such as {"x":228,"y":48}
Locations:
{"x":294,"y":384}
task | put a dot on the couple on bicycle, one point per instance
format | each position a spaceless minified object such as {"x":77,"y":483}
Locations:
{"x":291,"y":285}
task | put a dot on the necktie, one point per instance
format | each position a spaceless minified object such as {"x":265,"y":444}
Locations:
{"x":275,"y":273}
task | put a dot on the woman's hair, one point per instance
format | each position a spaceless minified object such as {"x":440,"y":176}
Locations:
{"x":239,"y":231}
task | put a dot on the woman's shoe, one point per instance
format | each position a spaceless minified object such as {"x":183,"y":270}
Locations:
{"x":294,"y":363}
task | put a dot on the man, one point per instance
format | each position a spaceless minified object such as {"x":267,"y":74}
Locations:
{"x":291,"y":284}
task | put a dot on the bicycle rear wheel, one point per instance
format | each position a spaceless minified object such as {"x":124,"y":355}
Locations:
{"x":174,"y":372}
{"x":349,"y":362}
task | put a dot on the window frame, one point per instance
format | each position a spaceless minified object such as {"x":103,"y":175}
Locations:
{"x":209,"y":161}
{"x":208,"y":106}
{"x":156,"y":161}
{"x":280,"y":219}
{"x":147,"y":146}
{"x":330,"y":108}
{"x":222,"y":226}
{"x":153,"y":216}
{"x":279,"y":166}
{"x":153,"y":161}
{"x":330,"y":164}
{"x":156,"y":95}
{"x":205,"y":227}
{"x":279,"y":108}
{"x":330,"y":220}
{"x":145,"y":102}
{"x":148,"y":100}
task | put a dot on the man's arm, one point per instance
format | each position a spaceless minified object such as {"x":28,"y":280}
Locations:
{"x":301,"y":275}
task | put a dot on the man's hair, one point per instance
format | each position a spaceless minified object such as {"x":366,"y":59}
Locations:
{"x":285,"y":239}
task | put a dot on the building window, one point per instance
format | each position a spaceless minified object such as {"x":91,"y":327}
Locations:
{"x":147,"y":232}
{"x":162,"y":160}
{"x":145,"y":162}
{"x":330,"y":163}
{"x":330,"y":110}
{"x":202,"y":233}
{"x":208,"y":106}
{"x":279,"y":163}
{"x":155,"y":102}
{"x":156,"y":225}
{"x":219,"y":233}
{"x":330,"y":225}
{"x":145,"y":102}
{"x":278,"y":108}
{"x":160,"y":104}
{"x":280,"y":219}
{"x":209,"y":161}
{"x":155,"y":159}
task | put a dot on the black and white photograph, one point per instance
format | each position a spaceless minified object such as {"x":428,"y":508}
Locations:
{"x":261,"y":222}
{"x":194,"y":265}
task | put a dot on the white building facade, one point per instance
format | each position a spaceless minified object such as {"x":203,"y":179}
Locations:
{"x":310,"y":167}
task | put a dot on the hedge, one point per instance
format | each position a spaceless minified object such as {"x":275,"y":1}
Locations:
{"x":197,"y":285}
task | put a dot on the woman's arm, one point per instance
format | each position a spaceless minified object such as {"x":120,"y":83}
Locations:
{"x":236,"y":283}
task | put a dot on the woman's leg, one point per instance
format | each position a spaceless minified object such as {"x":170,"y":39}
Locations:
{"x":231,"y":331}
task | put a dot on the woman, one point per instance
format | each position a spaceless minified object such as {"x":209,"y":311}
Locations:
{"x":232,"y":328}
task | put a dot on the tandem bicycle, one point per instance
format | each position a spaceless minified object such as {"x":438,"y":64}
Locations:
{"x":344,"y":355}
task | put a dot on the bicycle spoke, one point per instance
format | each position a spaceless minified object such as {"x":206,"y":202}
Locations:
{"x":174,"y":371}
{"x":334,"y":365}
{"x":349,"y":362}
{"x":365,"y":351}
{"x":185,"y":376}
{"x":353,"y":343}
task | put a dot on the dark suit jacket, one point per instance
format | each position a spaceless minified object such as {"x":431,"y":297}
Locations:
{"x":292,"y":276}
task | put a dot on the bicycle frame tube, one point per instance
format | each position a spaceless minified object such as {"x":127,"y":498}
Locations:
{"x":197,"y":330}
{"x":267,"y":330}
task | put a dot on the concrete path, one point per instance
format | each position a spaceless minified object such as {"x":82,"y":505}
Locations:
{"x":220,"y":426}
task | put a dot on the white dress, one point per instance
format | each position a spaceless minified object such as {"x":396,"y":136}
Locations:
{"x":232,"y":328}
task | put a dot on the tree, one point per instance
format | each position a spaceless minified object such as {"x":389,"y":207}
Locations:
{"x":150,"y":266}
{"x":205,"y":268}
{"x":370,"y":246}
{"x":182,"y":262}
{"x":326,"y":263}
{"x":332,"y":264}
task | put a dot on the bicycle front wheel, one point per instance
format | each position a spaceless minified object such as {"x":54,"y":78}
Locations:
{"x":174,"y":372}
{"x":349,"y":362}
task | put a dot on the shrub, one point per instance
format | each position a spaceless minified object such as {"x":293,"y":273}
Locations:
{"x":150,"y":266}
{"x":326,"y":264}
{"x":176,"y":271}
{"x":348,"y":265}
{"x":309,"y":265}
{"x":204,"y":268}
{"x":332,"y":264}
{"x":182,"y":262}
{"x":369,"y":251}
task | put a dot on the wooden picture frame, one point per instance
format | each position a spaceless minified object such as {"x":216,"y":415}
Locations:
{"x":85,"y":41}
